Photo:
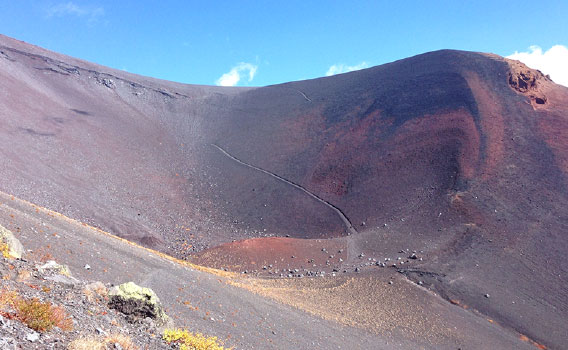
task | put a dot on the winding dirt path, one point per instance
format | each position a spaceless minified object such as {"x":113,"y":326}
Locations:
{"x":305,"y":96}
{"x":344,"y":218}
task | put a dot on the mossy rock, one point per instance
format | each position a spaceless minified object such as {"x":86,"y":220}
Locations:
{"x":11,"y":246}
{"x":137,"y":302}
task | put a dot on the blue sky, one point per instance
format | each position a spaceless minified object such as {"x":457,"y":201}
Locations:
{"x":268,"y":42}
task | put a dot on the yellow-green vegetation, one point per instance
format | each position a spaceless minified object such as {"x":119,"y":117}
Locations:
{"x":191,"y":341}
{"x":5,"y":249}
{"x":130,"y":290}
{"x":41,"y":316}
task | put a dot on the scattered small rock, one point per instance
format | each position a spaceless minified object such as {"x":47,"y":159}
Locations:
{"x":7,"y":343}
{"x":32,"y":337}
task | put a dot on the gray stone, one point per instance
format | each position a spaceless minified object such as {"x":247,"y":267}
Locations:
{"x":32,"y":337}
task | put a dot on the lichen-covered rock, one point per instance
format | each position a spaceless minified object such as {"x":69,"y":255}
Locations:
{"x":137,"y":302}
{"x":15,"y":249}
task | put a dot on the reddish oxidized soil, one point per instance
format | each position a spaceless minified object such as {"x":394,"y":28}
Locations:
{"x":275,"y":255}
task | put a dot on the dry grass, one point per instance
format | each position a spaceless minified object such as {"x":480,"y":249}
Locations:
{"x":7,"y":298}
{"x":95,"y":291}
{"x":41,"y":316}
{"x":94,"y":343}
{"x":123,"y":340}
{"x":86,"y":343}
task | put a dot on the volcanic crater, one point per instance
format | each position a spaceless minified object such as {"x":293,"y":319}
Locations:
{"x":460,"y":158}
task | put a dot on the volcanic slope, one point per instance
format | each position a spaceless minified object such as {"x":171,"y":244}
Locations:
{"x":459,"y":155}
{"x":208,"y":301}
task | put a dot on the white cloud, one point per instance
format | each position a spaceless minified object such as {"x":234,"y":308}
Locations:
{"x":341,"y":68}
{"x":553,"y":61}
{"x":236,"y":73}
{"x":72,"y":9}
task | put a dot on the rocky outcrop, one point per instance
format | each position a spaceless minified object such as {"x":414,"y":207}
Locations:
{"x":53,"y":271}
{"x":14,"y":248}
{"x":527,"y":81}
{"x":137,"y":302}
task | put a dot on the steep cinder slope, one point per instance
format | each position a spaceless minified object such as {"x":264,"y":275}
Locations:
{"x":460,"y":155}
{"x":107,"y":147}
